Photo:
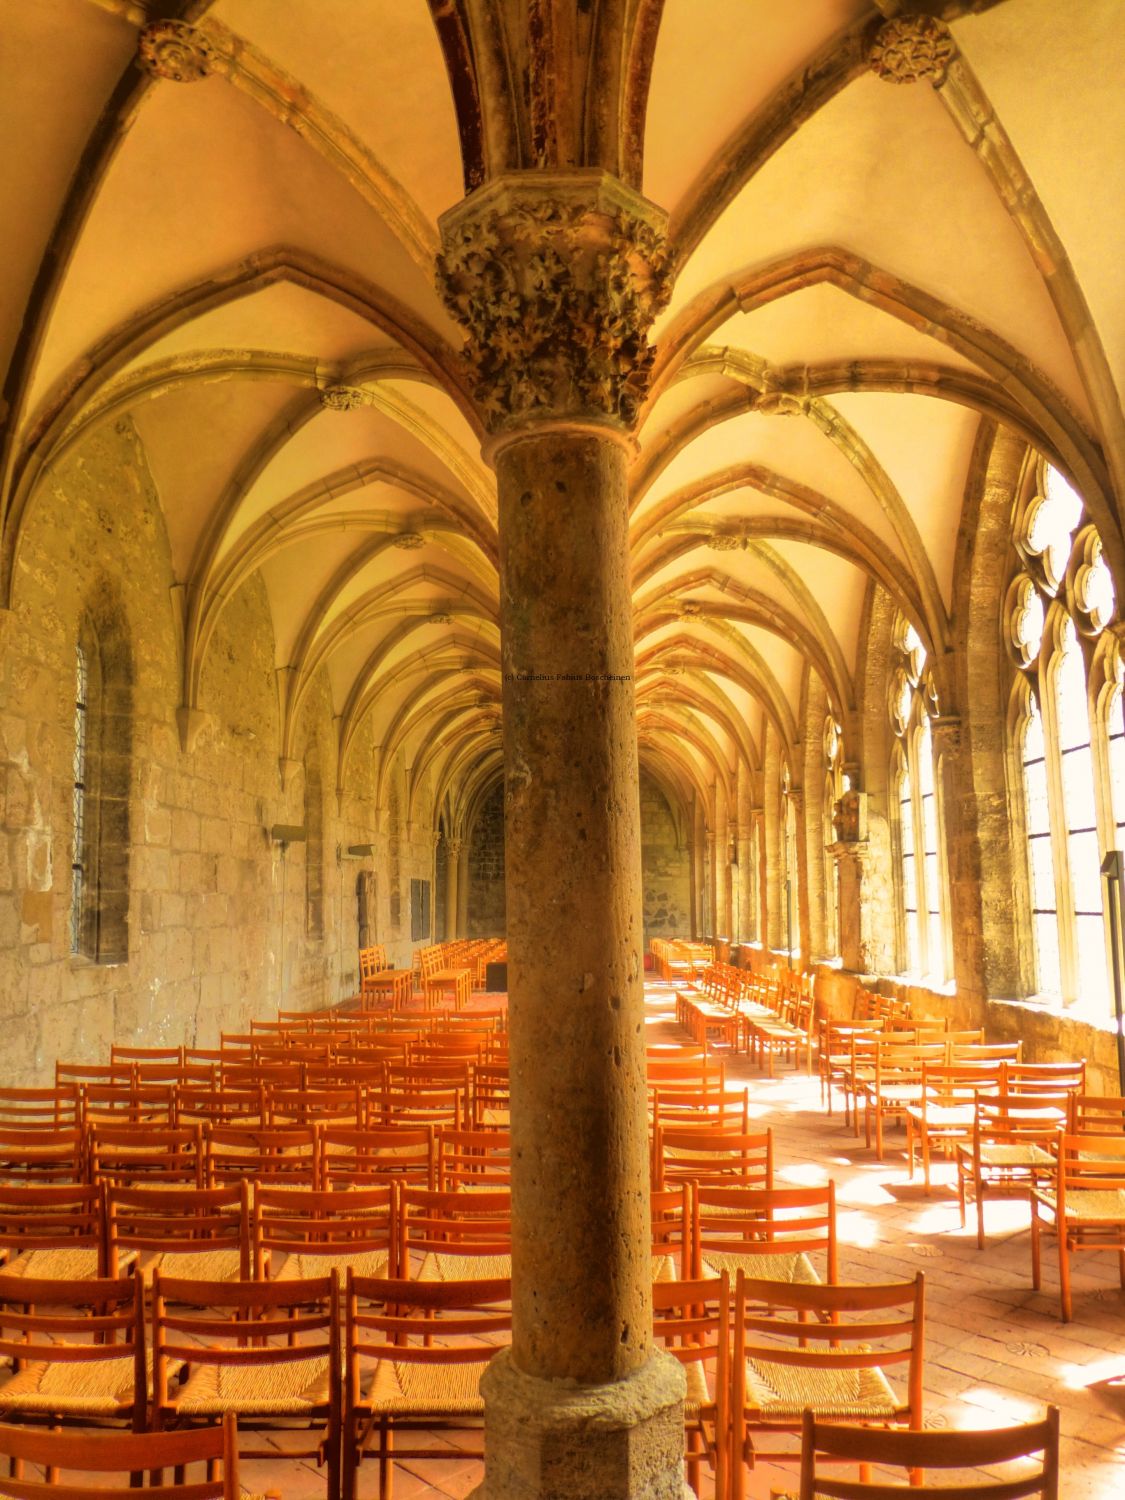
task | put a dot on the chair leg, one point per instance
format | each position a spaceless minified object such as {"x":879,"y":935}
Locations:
{"x":1064,"y":1272}
{"x":1036,"y":1263}
{"x":979,"y":1186}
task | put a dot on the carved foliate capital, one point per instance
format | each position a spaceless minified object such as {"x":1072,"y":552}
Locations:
{"x":912,"y":49}
{"x":344,"y":397}
{"x":175,"y":50}
{"x":556,"y":279}
{"x":455,"y":846}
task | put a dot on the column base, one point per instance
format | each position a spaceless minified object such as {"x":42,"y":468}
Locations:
{"x":547,"y":1440}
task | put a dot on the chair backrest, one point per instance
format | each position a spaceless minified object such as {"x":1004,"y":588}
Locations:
{"x":396,"y":1320}
{"x":709,"y":1154}
{"x":376,"y":1154}
{"x":42,"y":1156}
{"x":1093,"y":1163}
{"x":1096,"y":1114}
{"x":178,"y":1221}
{"x":51,"y":1217}
{"x":455,"y":1225}
{"x":39,"y":1109}
{"x":79,"y":1454}
{"x":145,"y":1153}
{"x":985,"y":1450}
{"x":473,"y":1158}
{"x":315,"y":1225}
{"x":236,"y":1152}
{"x":691,"y":1322}
{"x":774,"y":1225}
{"x":674,"y":1105}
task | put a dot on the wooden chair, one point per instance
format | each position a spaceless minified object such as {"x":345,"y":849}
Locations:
{"x":670,"y":1217}
{"x":945,"y":1113}
{"x":376,"y":1154}
{"x":342,"y":1104}
{"x":233,"y":1153}
{"x":988,"y":1450}
{"x":1095,"y":1114}
{"x":1010,"y":1148}
{"x":821,"y":1348}
{"x":200,"y":1104}
{"x":767,"y":1233}
{"x":301,"y":1234}
{"x":140,"y":1154}
{"x":454,"y":1236}
{"x":182,"y":1231}
{"x":724,"y":1157}
{"x":271,"y":1357}
{"x":430,"y":1343}
{"x":39,"y":1109}
{"x":41,"y":1156}
{"x":79,"y":1454}
{"x":691,"y":1322}
{"x":896,"y":1084}
{"x":1084,"y":1205}
{"x":673,"y":1106}
{"x":130,"y":1103}
{"x":473,"y":1159}
{"x":78,"y":1353}
{"x":52,"y":1231}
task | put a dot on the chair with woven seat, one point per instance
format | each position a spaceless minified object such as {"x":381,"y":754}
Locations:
{"x":709,"y":1154}
{"x":473,"y":1159}
{"x":77,"y":1353}
{"x":824,"y":1348}
{"x":39,"y":1156}
{"x":454,"y":1236}
{"x":993,"y":1451}
{"x":271,"y":1357}
{"x":691,"y":1322}
{"x":670,"y":1218}
{"x":186,"y":1232}
{"x":376,"y":1154}
{"x":1084,"y":1205}
{"x":298,"y":1234}
{"x":54,"y":1231}
{"x":430,"y":1343}
{"x":143,"y":1154}
{"x":78,"y":1455}
{"x":240,"y":1152}
{"x":1009,"y":1150}
{"x":945,"y":1113}
{"x":772,"y":1234}
{"x":39,"y":1108}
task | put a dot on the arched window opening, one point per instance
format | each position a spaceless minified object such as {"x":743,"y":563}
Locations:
{"x":791,"y":913}
{"x":1070,"y":740}
{"x":80,"y":854}
{"x":833,"y":786}
{"x":923,"y":903}
{"x":314,"y":849}
{"x":101,"y":783}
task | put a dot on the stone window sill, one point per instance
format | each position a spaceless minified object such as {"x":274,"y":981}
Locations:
{"x":1042,"y":1005}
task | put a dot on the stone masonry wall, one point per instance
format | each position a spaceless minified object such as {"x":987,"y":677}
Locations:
{"x":665,"y":868}
{"x":217,"y":927}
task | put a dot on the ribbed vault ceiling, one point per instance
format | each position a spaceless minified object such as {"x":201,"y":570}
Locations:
{"x":244,"y":265}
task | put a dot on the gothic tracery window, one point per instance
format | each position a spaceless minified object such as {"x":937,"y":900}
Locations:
{"x":921,"y":875}
{"x":833,"y":787}
{"x":1068,"y":732}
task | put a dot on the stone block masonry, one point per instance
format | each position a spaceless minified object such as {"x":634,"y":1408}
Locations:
{"x":214,"y":920}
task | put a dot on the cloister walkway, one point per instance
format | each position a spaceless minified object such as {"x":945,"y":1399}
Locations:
{"x":996,"y":1350}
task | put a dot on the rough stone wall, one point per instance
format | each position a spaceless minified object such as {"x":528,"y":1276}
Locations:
{"x":204,"y":922}
{"x":665,"y":867}
{"x":487,"y":916}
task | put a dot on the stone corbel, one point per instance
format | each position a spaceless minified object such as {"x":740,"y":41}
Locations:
{"x":946,"y":732}
{"x":191,"y":722}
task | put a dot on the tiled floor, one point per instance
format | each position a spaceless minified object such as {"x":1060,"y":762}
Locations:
{"x":996,"y":1351}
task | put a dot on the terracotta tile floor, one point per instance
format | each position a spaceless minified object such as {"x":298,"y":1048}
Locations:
{"x":996,"y":1350}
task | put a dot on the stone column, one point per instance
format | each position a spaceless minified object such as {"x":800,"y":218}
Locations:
{"x":557,"y":277}
{"x":711,"y":866}
{"x":452,"y":892}
{"x":800,"y":876}
{"x":463,"y":890}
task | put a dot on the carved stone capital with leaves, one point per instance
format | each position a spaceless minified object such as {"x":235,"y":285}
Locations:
{"x":556,"y":279}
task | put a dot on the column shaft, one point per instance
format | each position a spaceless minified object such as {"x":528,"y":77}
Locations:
{"x":581,"y":1253}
